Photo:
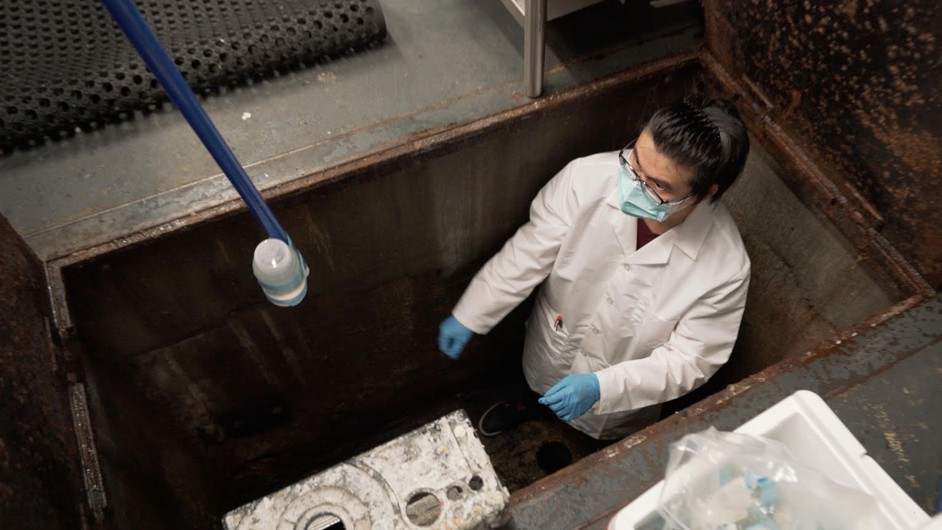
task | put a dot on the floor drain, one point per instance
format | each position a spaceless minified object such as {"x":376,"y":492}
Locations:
{"x":326,"y":522}
{"x":553,"y":456}
{"x":423,"y":508}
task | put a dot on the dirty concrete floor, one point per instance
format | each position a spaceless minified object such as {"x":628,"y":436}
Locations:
{"x":534,"y":449}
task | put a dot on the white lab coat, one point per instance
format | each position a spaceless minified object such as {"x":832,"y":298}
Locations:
{"x":652,"y":324}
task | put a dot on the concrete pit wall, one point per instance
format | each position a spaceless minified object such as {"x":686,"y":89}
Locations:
{"x":204,"y":396}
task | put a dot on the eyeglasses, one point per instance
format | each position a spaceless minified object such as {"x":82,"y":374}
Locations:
{"x":624,"y":157}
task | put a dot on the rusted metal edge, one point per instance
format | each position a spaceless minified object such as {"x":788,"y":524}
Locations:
{"x":387,"y":157}
{"x":91,"y":471}
{"x":61,"y":317}
{"x":834,"y":202}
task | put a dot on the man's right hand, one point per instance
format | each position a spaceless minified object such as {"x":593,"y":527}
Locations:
{"x":453,"y":337}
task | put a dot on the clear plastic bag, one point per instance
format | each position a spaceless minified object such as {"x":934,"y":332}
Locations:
{"x":720,"y":480}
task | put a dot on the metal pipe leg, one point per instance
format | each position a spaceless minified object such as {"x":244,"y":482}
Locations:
{"x":534,"y":42}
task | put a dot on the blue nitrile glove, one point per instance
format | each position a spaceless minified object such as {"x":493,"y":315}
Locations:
{"x":572,"y":396}
{"x":453,"y":337}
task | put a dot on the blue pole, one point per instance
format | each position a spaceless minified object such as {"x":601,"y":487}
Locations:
{"x":126,"y":14}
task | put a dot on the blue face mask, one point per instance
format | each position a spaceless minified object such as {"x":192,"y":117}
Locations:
{"x":635,"y":202}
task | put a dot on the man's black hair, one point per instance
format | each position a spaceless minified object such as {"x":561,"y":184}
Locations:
{"x":705,"y":134}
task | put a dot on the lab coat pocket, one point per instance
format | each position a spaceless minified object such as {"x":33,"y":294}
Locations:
{"x":558,"y":339}
{"x":551,"y":337}
{"x":654,"y":332}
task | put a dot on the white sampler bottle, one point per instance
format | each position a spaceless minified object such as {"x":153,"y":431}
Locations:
{"x":281,"y":272}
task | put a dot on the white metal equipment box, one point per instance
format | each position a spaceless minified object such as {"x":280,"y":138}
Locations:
{"x":437,"y":476}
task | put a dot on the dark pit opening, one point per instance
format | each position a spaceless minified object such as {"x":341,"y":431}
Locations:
{"x":553,"y":456}
{"x":205,"y":397}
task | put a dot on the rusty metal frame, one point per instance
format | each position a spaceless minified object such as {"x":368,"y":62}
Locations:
{"x":91,"y":470}
{"x":846,"y":209}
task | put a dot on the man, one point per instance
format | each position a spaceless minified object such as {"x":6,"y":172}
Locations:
{"x":645,"y":273}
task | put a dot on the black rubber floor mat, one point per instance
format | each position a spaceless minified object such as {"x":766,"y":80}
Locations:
{"x":66,"y":66}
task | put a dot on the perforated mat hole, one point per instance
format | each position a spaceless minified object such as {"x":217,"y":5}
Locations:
{"x":95,"y":77}
{"x":423,"y":508}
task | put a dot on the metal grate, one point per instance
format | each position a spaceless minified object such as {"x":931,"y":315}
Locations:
{"x":66,"y":66}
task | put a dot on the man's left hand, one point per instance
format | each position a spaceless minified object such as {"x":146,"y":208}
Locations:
{"x":572,"y":396}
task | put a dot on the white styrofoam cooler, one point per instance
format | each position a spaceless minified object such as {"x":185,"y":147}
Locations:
{"x":817,"y":438}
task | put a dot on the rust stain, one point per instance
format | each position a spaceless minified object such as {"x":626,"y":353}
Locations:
{"x":859,"y":82}
{"x":892,"y":439}
{"x":633,"y":440}
{"x":38,"y":452}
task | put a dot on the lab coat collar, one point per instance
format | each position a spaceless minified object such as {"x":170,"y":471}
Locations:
{"x":693,"y":231}
{"x":687,"y":236}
